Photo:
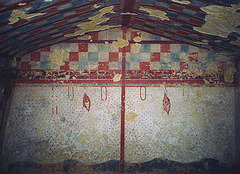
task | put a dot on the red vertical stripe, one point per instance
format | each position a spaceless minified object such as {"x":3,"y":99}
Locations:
{"x":122,"y":143}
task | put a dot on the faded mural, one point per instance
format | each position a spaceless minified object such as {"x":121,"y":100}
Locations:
{"x":67,"y":102}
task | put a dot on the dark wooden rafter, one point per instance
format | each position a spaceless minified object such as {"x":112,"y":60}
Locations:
{"x":128,"y":6}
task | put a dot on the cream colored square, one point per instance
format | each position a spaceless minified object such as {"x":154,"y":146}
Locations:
{"x":92,"y":65}
{"x":155,"y":65}
{"x":144,"y":57}
{"x":103,"y":35}
{"x":155,"y":47}
{"x":134,"y":66}
{"x":73,"y":65}
{"x":113,"y":48}
{"x":175,"y":66}
{"x":73,"y":47}
{"x":44,"y":56}
{"x":175,"y":47}
{"x":103,"y":56}
{"x":165,"y":57}
{"x":114,"y":65}
{"x":92,"y":47}
{"x":83,"y":56}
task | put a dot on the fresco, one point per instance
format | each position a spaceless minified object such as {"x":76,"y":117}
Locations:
{"x":67,"y":106}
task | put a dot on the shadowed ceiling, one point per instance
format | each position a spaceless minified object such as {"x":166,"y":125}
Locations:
{"x":28,"y":25}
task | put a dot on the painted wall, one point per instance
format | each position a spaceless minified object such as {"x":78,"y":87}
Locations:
{"x":200,"y":125}
{"x":48,"y":123}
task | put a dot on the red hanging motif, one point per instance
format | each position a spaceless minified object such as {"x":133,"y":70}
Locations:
{"x":166,"y":103}
{"x":86,"y":102}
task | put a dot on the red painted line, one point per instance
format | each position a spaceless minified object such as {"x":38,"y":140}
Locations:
{"x":122,"y":141}
{"x":99,"y":81}
{"x":56,"y":110}
{"x":142,"y":82}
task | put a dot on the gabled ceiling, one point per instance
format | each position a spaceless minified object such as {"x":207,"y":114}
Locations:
{"x":27,"y":25}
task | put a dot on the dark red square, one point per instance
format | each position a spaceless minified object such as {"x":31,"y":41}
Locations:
{"x":165,"y":48}
{"x":144,"y":66}
{"x":193,"y":57}
{"x":126,"y":48}
{"x":35,"y":56}
{"x":46,"y":49}
{"x":155,"y":57}
{"x":73,"y":56}
{"x":183,"y":66}
{"x":83,"y":47}
{"x":103,"y":66}
{"x":65,"y":66}
{"x":135,"y":34}
{"x":25,"y":66}
{"x":94,"y":36}
{"x":113,"y":56}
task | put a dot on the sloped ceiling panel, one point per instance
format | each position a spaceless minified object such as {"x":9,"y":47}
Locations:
{"x":32,"y":24}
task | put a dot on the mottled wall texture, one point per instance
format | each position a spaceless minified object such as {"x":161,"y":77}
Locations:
{"x":49,"y":121}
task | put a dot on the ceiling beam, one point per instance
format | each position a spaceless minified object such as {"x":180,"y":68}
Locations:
{"x":128,"y":6}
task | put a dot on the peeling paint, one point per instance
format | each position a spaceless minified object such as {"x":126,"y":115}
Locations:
{"x":220,"y":20}
{"x":96,"y":6}
{"x":117,"y":77}
{"x":57,"y":56}
{"x":130,"y":116}
{"x":19,"y":14}
{"x":94,"y":24}
{"x":21,"y":4}
{"x":136,"y":47}
{"x":182,"y":1}
{"x":155,"y":13}
{"x":137,"y":39}
{"x":121,"y":43}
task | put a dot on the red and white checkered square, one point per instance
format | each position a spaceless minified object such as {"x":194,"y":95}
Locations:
{"x":73,"y":56}
{"x":83,"y":47}
{"x":165,"y":48}
{"x":144,"y":66}
{"x":113,"y":56}
{"x":155,"y":57}
{"x":103,"y":66}
{"x":35,"y":56}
